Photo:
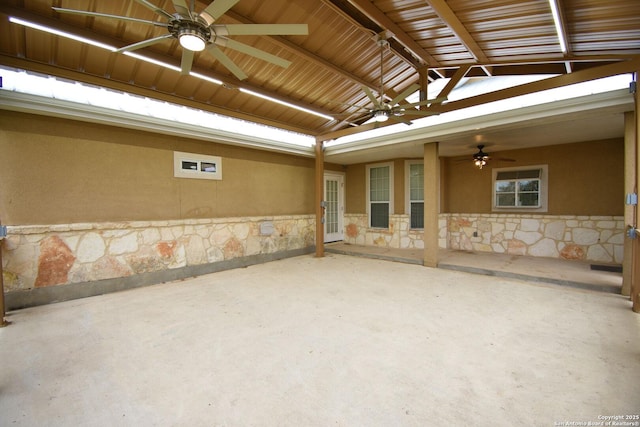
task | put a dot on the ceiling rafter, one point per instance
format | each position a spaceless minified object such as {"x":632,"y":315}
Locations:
{"x":545,"y":84}
{"x":550,"y":65}
{"x":362,"y":21}
{"x":442,"y":9}
{"x":375,"y":14}
{"x":453,"y":82}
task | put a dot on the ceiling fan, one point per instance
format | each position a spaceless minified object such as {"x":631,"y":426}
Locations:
{"x":481,"y":158}
{"x":383,"y":111}
{"x":198,"y":31}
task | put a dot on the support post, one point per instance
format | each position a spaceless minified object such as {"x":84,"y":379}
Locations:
{"x":319,"y":197}
{"x":3,"y":322}
{"x":431,"y":204}
{"x":635,"y":250}
{"x":423,"y":81}
{"x":629,"y":187}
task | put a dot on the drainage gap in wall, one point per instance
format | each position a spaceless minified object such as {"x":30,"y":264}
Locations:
{"x":612,"y":268}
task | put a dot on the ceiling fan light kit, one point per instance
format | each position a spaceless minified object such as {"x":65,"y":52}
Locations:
{"x":380,"y":116}
{"x":480,"y":158}
{"x":480,"y":163}
{"x":192,"y":40}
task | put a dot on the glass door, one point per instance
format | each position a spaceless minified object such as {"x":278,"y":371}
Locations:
{"x":334,"y":211}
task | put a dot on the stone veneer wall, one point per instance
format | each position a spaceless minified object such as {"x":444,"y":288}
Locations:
{"x":399,"y":235}
{"x":51,"y":255}
{"x":591,"y":238}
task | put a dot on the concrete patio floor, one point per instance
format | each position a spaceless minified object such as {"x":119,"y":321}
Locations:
{"x":339,"y":340}
{"x":536,"y":269}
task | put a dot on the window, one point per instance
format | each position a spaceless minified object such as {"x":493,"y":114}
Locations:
{"x":520,"y":188}
{"x":415,"y":193}
{"x":200,"y":166}
{"x":379,"y":194}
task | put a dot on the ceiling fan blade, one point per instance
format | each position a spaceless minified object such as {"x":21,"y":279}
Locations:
{"x":250,"y":50}
{"x":260,"y":29}
{"x":144,"y":43}
{"x":408,"y":91}
{"x":401,"y":120}
{"x":216,"y":9}
{"x":372,"y":98}
{"x":187,"y":61}
{"x":156,"y":9}
{"x":106,"y":15}
{"x":181,"y":7}
{"x":224,"y":60}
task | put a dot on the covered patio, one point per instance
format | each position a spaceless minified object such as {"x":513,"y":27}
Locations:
{"x":339,"y":340}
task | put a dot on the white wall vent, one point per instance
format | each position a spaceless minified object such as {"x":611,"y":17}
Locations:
{"x":266,"y":228}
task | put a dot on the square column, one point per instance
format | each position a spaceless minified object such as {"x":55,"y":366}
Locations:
{"x":629,"y":187}
{"x":635,"y":246}
{"x":319,"y":197}
{"x":431,"y":204}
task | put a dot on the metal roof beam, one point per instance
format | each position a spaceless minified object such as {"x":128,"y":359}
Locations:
{"x":442,"y":9}
{"x":540,"y":85}
{"x":375,"y":14}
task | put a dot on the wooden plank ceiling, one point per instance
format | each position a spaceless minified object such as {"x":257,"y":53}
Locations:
{"x":428,"y":40}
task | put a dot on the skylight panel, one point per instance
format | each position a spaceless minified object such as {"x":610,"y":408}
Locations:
{"x":51,"y":87}
{"x":477,"y":86}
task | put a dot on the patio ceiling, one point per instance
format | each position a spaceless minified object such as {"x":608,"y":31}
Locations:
{"x":428,"y":40}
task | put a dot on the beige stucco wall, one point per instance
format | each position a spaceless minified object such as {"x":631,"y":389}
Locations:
{"x":584,"y":179}
{"x":58,"y":171}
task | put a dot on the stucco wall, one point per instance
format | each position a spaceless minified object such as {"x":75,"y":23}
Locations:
{"x":56,"y":171}
{"x":584,"y":179}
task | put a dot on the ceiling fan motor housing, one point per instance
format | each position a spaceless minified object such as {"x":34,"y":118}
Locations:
{"x":182,"y":27}
{"x":480,"y":155}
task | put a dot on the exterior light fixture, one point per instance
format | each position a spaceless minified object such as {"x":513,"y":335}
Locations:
{"x":380,"y":116}
{"x":479,"y":163}
{"x":480,"y":158}
{"x":558,"y":22}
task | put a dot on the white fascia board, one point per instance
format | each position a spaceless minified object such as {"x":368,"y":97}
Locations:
{"x":614,"y":101}
{"x":33,"y":104}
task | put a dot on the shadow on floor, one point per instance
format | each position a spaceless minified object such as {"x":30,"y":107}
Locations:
{"x":577,"y":274}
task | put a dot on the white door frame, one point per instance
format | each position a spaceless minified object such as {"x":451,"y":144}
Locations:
{"x":328,"y":219}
